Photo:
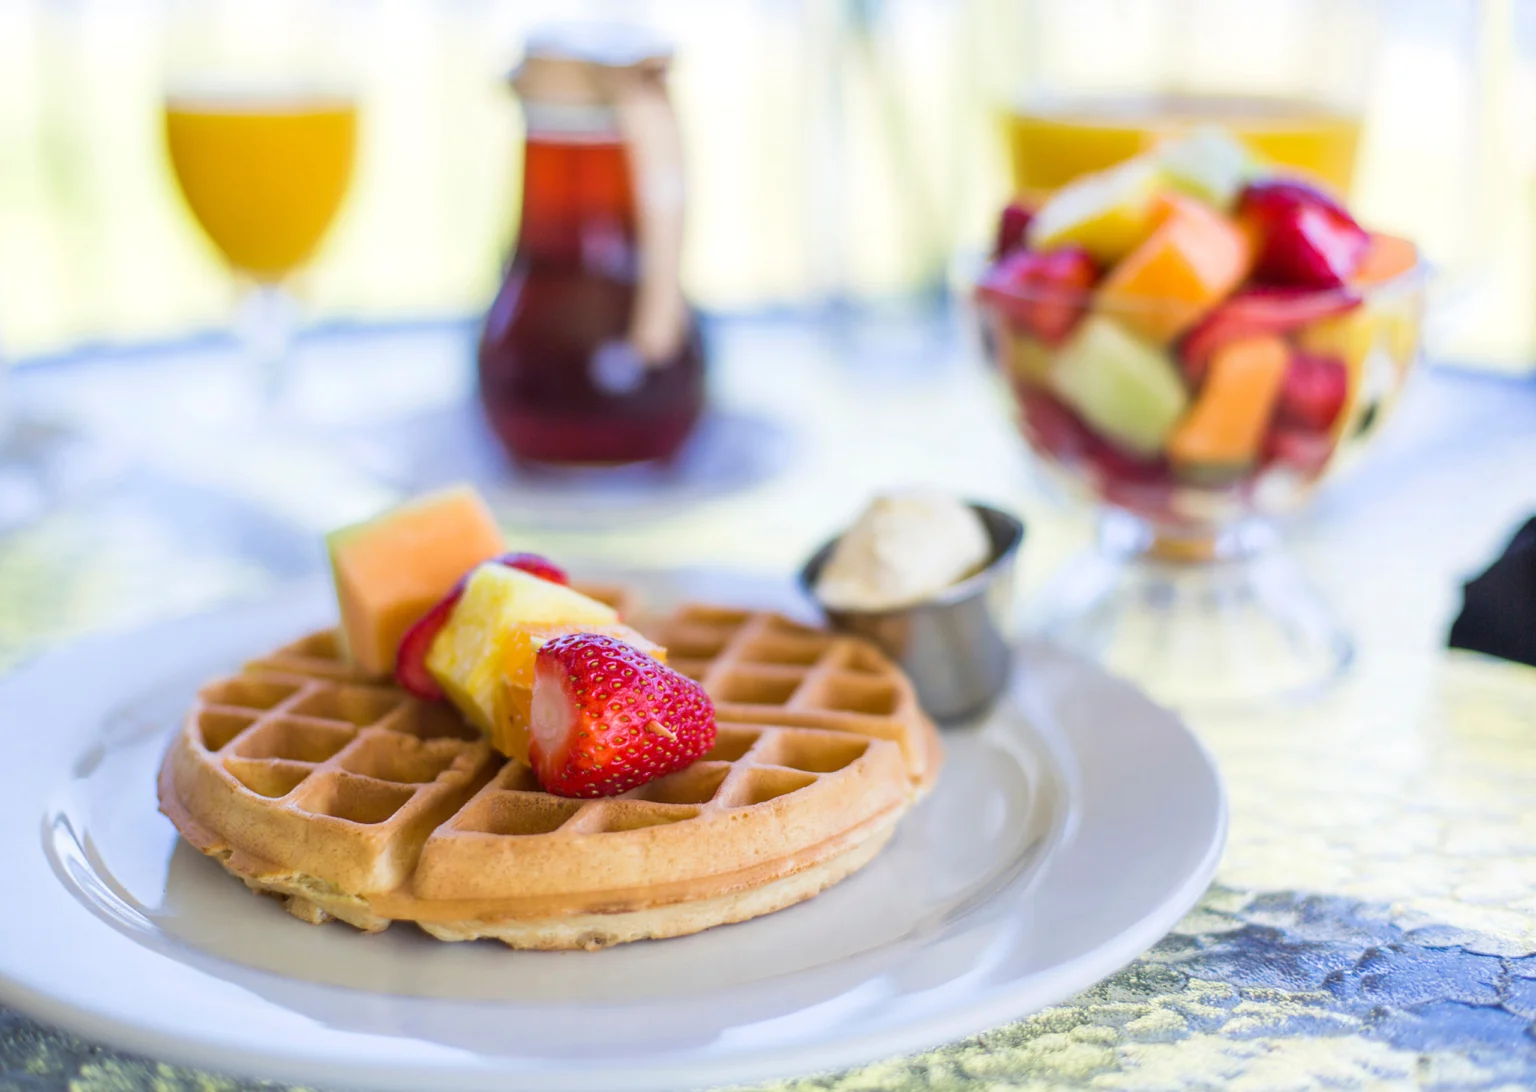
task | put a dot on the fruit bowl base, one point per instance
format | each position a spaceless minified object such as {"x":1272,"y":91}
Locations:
{"x":1227,"y":623}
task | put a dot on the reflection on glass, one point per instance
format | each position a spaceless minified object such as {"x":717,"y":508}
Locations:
{"x":1098,"y":81}
{"x":1051,"y":144}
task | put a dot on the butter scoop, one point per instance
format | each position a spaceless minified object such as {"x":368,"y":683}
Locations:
{"x":904,"y":548}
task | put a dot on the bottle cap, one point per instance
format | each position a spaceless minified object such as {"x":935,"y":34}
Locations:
{"x":573,"y":64}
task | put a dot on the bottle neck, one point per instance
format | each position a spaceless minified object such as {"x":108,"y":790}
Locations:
{"x":578,"y":204}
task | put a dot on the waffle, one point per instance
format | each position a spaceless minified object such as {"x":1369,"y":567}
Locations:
{"x":350,"y":799}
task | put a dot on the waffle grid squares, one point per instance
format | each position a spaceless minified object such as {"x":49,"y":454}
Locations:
{"x":323,"y":779}
{"x":324,"y":744}
{"x":324,"y":747}
{"x":743,"y":658}
{"x":750,"y":764}
{"x":301,"y":728}
{"x":268,"y":777}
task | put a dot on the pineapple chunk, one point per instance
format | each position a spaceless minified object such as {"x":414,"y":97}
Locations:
{"x":468,"y":658}
{"x":1108,"y":214}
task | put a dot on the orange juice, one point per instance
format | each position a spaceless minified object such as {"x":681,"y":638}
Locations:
{"x":1049,"y":147}
{"x":263,"y":175}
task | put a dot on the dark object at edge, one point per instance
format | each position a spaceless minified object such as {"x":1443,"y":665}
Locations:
{"x":1498,"y":613}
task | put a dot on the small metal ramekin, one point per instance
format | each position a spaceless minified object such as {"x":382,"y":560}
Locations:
{"x":955,"y":647}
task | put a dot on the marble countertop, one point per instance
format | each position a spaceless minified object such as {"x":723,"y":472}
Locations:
{"x":1373,"y":922}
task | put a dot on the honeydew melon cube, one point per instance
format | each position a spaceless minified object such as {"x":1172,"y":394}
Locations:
{"x":1210,"y":164}
{"x":1131,"y":392}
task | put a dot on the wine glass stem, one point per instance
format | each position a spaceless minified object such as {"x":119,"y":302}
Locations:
{"x":267,"y":329}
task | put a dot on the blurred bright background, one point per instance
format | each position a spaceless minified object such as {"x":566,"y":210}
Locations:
{"x":846,"y":161}
{"x":840,"y":152}
{"x":844,"y":167}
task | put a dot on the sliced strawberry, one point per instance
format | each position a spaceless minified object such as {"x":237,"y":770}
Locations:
{"x":607,"y":718}
{"x":1312,"y":392}
{"x":535,"y":565}
{"x":1115,"y":465}
{"x":1011,"y":227}
{"x":1301,"y":449}
{"x":1255,"y":313}
{"x":1130,"y":481}
{"x":1055,"y":430}
{"x":1150,"y":499}
{"x":1050,"y":426}
{"x":411,"y":672}
{"x":1303,"y":237}
{"x":1043,"y":293}
{"x":1283,"y":193}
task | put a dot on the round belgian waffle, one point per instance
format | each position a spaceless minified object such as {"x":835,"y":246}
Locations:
{"x":349,"y":798}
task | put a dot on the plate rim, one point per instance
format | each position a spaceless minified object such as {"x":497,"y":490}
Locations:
{"x":220,"y":1053}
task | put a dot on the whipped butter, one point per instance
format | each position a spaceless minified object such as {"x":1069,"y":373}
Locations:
{"x":906,"y":547}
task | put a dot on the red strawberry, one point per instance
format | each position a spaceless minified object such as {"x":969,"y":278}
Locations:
{"x":1115,"y":465}
{"x":607,"y":718}
{"x":1044,"y":293}
{"x":1303,"y":237}
{"x":1254,"y":313}
{"x":1312,"y":392}
{"x":1050,"y":426}
{"x":1011,"y":227}
{"x":411,"y":659}
{"x":535,"y":565}
{"x":411,"y":672}
{"x":1148,"y":499}
{"x":1141,"y":485}
{"x":1281,"y":193}
{"x":1300,"y":449}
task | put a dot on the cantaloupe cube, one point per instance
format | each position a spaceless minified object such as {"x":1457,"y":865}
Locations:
{"x":1386,"y":257}
{"x":390,"y":570}
{"x":1184,"y":268}
{"x":1223,"y":429}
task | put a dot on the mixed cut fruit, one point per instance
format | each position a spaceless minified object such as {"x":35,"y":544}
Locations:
{"x":1178,"y":326}
{"x":553,"y":677}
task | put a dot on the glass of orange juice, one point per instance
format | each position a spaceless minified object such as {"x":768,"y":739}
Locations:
{"x":1100,"y":80}
{"x":261,"y":131}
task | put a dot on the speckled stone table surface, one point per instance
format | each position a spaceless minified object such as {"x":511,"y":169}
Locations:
{"x":1373,"y":923}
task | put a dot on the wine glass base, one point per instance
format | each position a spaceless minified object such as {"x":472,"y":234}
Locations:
{"x":1230,"y":627}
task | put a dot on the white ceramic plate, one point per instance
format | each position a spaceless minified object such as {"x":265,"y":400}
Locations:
{"x":1065,"y":836}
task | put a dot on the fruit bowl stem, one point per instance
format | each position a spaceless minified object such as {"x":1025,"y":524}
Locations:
{"x":1218,"y":619}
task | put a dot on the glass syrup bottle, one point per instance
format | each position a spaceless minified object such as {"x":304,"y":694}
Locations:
{"x":590,"y":353}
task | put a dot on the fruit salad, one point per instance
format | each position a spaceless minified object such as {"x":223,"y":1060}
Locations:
{"x":1192,"y":335}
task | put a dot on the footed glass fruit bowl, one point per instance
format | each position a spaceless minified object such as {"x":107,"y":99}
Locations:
{"x":1194,"y":343}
